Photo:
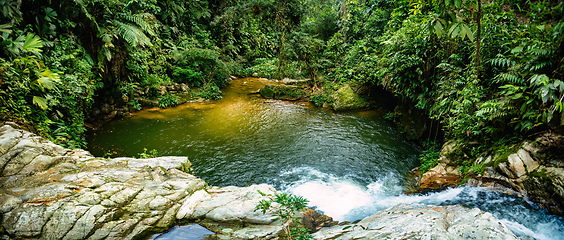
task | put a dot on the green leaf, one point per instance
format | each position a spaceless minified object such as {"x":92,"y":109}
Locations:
{"x":41,"y":102}
{"x":545,"y":94}
{"x":457,"y":3}
{"x":32,"y":44}
{"x":5,"y":28}
{"x":47,"y":79}
{"x":454,"y":30}
{"x":517,"y":49}
{"x":469,"y":33}
{"x":439,"y":30}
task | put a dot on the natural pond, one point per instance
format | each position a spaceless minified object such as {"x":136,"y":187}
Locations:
{"x":348,"y":165}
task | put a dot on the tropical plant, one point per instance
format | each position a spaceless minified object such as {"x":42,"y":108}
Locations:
{"x":287,"y":211}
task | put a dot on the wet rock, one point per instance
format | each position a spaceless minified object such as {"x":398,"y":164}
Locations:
{"x":437,"y":178}
{"x":534,"y":171}
{"x":416,"y":221}
{"x":314,"y":221}
{"x":346,"y":99}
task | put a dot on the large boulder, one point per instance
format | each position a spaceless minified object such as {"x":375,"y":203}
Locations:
{"x":416,"y":221}
{"x":346,"y":99}
{"x":48,"y":192}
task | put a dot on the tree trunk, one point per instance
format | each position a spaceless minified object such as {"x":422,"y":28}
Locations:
{"x":478,"y":39}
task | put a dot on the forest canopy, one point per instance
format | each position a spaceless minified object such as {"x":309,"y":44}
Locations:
{"x":483,"y":70}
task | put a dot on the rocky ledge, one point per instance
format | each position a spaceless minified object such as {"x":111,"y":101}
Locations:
{"x":48,"y":192}
{"x":533,"y":169}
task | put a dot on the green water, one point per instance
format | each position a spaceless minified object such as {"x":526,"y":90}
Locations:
{"x":348,"y":165}
{"x":244,"y":139}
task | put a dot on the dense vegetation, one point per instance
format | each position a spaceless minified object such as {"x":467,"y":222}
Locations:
{"x":486,"y":71}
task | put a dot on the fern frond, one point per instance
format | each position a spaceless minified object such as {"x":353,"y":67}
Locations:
{"x":131,"y":34}
{"x":508,"y":78}
{"x":495,"y":109}
{"x":540,"y":66}
{"x":140,"y":21}
{"x":502,"y":62}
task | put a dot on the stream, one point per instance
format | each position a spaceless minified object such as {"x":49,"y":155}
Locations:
{"x":348,"y":165}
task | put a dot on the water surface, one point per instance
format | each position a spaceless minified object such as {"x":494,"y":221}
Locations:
{"x":348,"y":165}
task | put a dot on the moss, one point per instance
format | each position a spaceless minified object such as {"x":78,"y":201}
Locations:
{"x":284,"y":92}
{"x":346,"y":99}
{"x":541,"y":174}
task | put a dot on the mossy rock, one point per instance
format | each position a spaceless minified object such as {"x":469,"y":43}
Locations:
{"x":346,"y":99}
{"x":283,"y":92}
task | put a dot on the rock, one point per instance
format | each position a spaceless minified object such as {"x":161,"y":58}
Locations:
{"x":535,"y":171}
{"x":314,"y":220}
{"x":162,"y":90}
{"x":146,"y":103}
{"x":346,"y":99}
{"x":234,"y":204}
{"x":107,"y":108}
{"x":283,"y":92}
{"x":416,"y":221}
{"x":437,"y":178}
{"x":530,"y":164}
{"x":184,"y":88}
{"x":294,"y":81}
{"x":83,"y":196}
{"x":189,"y":206}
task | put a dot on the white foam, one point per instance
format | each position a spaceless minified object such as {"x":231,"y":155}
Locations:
{"x":346,"y":200}
{"x":521,"y":230}
{"x":335,"y":199}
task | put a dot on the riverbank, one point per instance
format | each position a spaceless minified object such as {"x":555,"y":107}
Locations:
{"x":532,"y":169}
{"x":49,"y":192}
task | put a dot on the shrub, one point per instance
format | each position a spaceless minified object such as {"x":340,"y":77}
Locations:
{"x":168,"y":100}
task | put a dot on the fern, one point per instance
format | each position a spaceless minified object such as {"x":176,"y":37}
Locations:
{"x":495,"y":109}
{"x":508,"y":78}
{"x":540,"y":66}
{"x":502,"y":62}
{"x":131,"y":34}
{"x":140,"y":21}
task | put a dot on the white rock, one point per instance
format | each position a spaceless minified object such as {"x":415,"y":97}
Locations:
{"x":188,"y":207}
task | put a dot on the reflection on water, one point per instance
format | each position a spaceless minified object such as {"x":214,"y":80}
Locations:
{"x":188,"y":232}
{"x":244,"y":139}
{"x":348,"y":165}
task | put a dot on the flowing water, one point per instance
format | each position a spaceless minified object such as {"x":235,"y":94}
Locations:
{"x":348,"y":165}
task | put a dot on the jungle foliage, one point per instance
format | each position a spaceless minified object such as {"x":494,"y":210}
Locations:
{"x":482,"y":69}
